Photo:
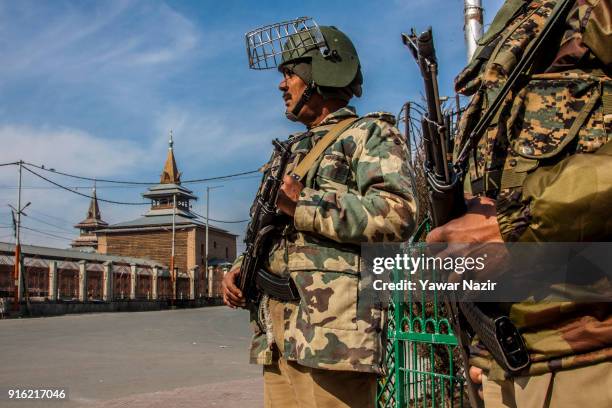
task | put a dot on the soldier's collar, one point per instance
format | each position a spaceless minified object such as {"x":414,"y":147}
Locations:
{"x":337,"y":116}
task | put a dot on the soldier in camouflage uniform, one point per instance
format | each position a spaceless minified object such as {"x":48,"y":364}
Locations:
{"x":543,"y":172}
{"x":325,"y":349}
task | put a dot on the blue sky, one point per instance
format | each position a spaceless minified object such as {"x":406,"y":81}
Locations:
{"x":93,"y":88}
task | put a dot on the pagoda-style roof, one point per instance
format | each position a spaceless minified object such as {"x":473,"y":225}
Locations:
{"x":89,"y":226}
{"x":159,"y":222}
{"x":93,"y":219}
{"x":162,"y":209}
{"x":161,"y":190}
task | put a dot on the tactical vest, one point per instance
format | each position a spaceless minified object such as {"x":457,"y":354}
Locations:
{"x":554,"y":115}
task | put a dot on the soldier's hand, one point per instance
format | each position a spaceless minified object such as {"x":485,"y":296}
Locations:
{"x":478,"y":224}
{"x":288,"y":195}
{"x":232,"y":296}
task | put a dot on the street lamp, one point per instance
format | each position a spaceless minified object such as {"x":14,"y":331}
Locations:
{"x":208,"y":188}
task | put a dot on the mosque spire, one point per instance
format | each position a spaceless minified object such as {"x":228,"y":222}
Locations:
{"x":94,"y":210}
{"x":89,"y":226}
{"x":170,"y":174}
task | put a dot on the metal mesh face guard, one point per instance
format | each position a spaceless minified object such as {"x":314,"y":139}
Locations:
{"x":269,"y":46}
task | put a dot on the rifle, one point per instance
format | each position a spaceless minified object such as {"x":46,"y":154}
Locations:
{"x":445,"y":191}
{"x":263,"y":222}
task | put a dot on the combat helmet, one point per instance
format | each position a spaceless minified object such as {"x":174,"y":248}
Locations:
{"x":332,"y":58}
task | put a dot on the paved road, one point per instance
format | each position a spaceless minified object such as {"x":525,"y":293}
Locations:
{"x":173,"y":358}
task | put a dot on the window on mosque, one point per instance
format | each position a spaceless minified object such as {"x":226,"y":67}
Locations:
{"x":215,"y":244}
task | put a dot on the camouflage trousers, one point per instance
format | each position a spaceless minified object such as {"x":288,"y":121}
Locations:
{"x":288,"y":384}
{"x":582,"y":387}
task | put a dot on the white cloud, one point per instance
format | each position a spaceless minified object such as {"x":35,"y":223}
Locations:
{"x":71,"y":151}
{"x":75,"y":43}
{"x":223,"y":134}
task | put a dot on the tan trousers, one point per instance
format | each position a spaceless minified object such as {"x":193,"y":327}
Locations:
{"x":587,"y":387}
{"x":290,"y":385}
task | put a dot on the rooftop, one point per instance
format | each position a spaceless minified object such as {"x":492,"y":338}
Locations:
{"x":64,"y":254}
{"x":158,"y":222}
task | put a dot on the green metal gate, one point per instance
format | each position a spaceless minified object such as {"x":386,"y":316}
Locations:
{"x":420,"y":359}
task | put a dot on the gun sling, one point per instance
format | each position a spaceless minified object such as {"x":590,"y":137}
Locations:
{"x":283,"y":288}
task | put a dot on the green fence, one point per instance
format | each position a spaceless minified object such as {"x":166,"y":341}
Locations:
{"x":420,"y":359}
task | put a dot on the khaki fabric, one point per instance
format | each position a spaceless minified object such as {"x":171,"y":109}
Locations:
{"x":584,"y":387}
{"x":288,"y":384}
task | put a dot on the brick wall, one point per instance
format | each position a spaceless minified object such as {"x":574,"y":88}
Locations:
{"x":218,"y":243}
{"x":155,"y":245}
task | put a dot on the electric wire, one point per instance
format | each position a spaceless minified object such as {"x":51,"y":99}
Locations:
{"x":201,"y":180}
{"x":82,"y":194}
{"x":45,"y":233}
{"x":105,"y":187}
{"x":49,"y":224}
{"x":220,"y":221}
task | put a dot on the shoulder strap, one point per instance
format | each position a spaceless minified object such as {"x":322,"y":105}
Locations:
{"x":517,"y":76}
{"x":317,"y":150}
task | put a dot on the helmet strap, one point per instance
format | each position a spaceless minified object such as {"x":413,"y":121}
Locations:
{"x":293,"y":115}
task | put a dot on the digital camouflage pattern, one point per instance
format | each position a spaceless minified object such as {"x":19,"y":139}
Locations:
{"x":533,"y":160}
{"x":359,"y":191}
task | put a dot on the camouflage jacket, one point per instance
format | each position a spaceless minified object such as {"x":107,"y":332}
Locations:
{"x":359,"y":191}
{"x":545,"y":158}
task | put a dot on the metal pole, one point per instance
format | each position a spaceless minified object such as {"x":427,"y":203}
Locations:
{"x":172,"y":268}
{"x":472,"y":25}
{"x":208,"y":188}
{"x":206,"y":239}
{"x":17,"y":272}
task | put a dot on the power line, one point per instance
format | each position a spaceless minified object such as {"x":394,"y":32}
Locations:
{"x":244,"y":173}
{"x":221,"y":221}
{"x":49,"y":231}
{"x":49,"y":224}
{"x":32,"y":210}
{"x":46,"y":233}
{"x":85,"y":178}
{"x":201,"y":180}
{"x":78,"y":193}
{"x":99,"y":187}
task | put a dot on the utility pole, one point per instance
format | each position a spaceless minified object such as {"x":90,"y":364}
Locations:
{"x":17,"y":278}
{"x":472,"y":27}
{"x":172,"y":268}
{"x":208,"y":188}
